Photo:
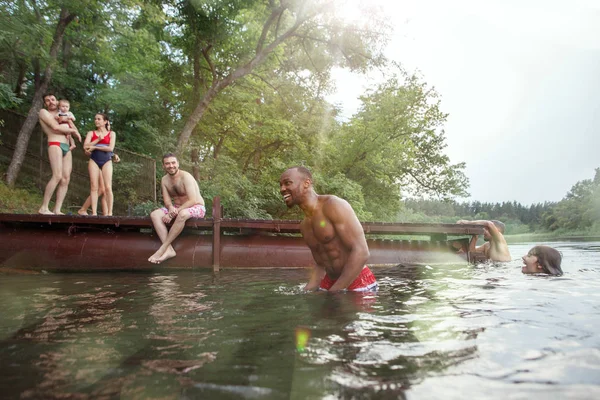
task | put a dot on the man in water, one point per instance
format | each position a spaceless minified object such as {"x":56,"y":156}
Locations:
{"x":495,"y":247}
{"x":332,"y":232}
{"x":59,"y":155}
{"x":182,"y":199}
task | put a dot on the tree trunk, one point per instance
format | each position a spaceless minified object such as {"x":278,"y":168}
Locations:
{"x":38,"y":97}
{"x":20,"y":79}
{"x":217,"y":86}
{"x":195,"y":158}
{"x":195,"y":118}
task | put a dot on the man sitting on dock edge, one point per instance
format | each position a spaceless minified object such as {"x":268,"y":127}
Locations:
{"x":182,"y":199}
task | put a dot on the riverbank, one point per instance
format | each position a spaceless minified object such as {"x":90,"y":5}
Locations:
{"x":19,"y":201}
{"x":552,"y":237}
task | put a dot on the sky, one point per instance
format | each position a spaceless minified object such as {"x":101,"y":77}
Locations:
{"x":520,"y":81}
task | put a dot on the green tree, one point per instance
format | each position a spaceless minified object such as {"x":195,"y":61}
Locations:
{"x":395,"y":144}
{"x":229,"y":40}
{"x":580,"y":209}
{"x":46,"y":20}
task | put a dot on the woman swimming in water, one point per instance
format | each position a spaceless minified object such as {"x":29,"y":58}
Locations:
{"x":542,"y":260}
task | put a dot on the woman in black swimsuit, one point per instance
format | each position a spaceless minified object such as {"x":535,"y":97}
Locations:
{"x":99,"y":145}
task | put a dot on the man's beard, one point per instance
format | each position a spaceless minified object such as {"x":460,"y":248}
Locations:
{"x":174,"y":172}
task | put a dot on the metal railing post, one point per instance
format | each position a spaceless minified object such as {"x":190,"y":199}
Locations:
{"x":216,"y":244}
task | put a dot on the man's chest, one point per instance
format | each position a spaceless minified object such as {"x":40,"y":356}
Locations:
{"x":317,"y":230}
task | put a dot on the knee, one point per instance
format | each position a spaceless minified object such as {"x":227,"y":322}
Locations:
{"x":183,"y":215}
{"x":65,"y":180}
{"x":56,"y":178}
{"x":157,"y":215}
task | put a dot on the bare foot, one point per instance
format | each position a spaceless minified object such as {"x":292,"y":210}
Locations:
{"x":158,"y":258}
{"x":58,"y":213}
{"x":82,"y":212}
{"x":45,"y":212}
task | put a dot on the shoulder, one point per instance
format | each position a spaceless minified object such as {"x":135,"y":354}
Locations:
{"x":333,"y":202}
{"x":333,"y":206}
{"x":187,"y":176}
{"x":44,"y":114}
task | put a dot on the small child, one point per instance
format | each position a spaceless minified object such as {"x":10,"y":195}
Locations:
{"x":542,"y":260}
{"x":66,"y":117}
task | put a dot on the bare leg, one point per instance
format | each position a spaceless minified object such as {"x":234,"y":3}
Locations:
{"x":55,"y":157}
{"x":88,"y":202}
{"x":107,"y":172}
{"x":166,"y":251}
{"x":101,"y":192}
{"x":161,"y":230}
{"x":94,"y":178}
{"x":63,"y":186}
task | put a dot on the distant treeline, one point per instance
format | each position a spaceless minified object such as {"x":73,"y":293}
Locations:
{"x":578,"y":211}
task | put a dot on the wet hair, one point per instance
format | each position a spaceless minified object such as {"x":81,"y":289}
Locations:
{"x":499,"y":225}
{"x":105,"y":117}
{"x":548,"y":258}
{"x":168,"y":155}
{"x":304,"y":171}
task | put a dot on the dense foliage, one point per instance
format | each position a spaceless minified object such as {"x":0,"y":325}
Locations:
{"x":238,"y":88}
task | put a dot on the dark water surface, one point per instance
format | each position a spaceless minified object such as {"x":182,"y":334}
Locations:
{"x":432,"y":332}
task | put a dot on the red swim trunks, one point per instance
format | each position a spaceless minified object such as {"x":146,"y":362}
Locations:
{"x":365,"y":282}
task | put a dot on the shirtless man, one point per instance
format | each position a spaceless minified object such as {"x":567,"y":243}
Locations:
{"x":59,"y":155}
{"x":495,"y":247}
{"x":183,"y":201}
{"x":332,"y":232}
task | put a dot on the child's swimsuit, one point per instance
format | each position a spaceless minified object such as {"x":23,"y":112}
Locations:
{"x":101,"y":157}
{"x":63,"y":146}
{"x":63,"y":121}
{"x":365,"y":282}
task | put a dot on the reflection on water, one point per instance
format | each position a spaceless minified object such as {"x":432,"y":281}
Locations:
{"x":430,"y":332}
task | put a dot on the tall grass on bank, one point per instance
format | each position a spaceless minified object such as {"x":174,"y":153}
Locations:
{"x":19,"y":201}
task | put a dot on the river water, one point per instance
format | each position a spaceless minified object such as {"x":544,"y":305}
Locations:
{"x":431,"y":332}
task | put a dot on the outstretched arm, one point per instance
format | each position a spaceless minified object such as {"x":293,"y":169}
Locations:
{"x":498,"y":248}
{"x":350,"y":231}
